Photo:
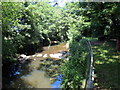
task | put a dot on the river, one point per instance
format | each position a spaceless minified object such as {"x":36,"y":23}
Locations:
{"x":42,"y":70}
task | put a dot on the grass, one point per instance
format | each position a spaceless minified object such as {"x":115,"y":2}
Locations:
{"x":106,"y":61}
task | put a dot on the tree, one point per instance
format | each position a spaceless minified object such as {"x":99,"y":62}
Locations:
{"x":104,"y":18}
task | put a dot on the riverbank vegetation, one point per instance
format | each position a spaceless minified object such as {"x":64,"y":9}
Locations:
{"x":28,"y":26}
{"x":77,"y":68}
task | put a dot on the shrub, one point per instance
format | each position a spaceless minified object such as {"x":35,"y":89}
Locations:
{"x":75,"y":70}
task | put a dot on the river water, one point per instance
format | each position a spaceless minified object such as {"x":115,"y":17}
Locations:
{"x":33,"y":77}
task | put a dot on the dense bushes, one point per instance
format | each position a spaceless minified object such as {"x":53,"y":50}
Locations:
{"x":75,"y":70}
{"x":10,"y":53}
{"x":10,"y":14}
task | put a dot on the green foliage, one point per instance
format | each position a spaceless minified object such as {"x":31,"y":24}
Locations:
{"x":10,"y":13}
{"x":75,"y":69}
{"x":8,"y":51}
{"x":96,"y":18}
{"x":104,"y":18}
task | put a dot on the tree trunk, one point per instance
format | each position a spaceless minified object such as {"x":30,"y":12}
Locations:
{"x":118,"y":45}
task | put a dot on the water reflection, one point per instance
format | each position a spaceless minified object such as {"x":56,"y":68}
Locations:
{"x":36,"y":79}
{"x":57,"y":84}
{"x":17,"y":73}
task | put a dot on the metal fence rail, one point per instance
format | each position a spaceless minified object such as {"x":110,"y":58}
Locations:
{"x":90,"y":81}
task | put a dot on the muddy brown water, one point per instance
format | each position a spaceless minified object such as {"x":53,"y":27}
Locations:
{"x":47,"y":53}
{"x":36,"y":78}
